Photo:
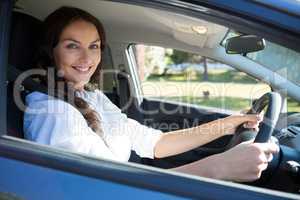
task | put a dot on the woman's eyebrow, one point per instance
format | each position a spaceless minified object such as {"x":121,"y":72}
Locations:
{"x":73,"y":40}
{"x":98,"y":40}
{"x":70,"y":39}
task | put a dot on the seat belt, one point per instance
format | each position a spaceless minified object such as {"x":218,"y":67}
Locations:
{"x":124,"y":92}
{"x":28,"y":83}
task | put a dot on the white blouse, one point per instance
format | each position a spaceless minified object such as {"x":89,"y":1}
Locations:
{"x":51,"y":121}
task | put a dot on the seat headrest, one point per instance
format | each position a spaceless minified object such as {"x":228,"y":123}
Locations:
{"x":24,"y":40}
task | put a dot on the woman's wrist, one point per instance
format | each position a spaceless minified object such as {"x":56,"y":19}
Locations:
{"x":231,"y":123}
{"x":217,"y":167}
{"x":208,"y":167}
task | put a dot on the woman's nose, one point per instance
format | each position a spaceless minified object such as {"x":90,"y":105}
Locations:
{"x":85,"y":57}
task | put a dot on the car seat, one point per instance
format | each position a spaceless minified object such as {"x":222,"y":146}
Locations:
{"x":24,"y":38}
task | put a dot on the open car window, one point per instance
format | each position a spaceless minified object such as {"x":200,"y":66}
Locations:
{"x":179,"y":76}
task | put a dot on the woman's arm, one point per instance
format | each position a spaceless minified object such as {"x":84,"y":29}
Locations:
{"x":180,"y":141}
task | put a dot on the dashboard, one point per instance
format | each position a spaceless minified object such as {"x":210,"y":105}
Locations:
{"x":288,"y":130}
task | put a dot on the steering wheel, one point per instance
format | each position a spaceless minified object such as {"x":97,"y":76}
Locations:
{"x":273,"y":102}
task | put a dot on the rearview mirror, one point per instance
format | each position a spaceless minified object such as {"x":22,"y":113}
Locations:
{"x":244,"y":44}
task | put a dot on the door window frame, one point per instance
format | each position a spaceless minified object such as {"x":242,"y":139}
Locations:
{"x":5,"y":16}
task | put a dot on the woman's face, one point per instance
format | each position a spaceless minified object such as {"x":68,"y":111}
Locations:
{"x":78,"y":52}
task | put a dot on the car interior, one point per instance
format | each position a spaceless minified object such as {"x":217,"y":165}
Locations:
{"x":123,"y":28}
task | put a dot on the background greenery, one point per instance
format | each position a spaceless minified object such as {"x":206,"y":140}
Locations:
{"x":215,"y":76}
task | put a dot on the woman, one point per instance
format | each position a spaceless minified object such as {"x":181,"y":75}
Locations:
{"x":82,"y":120}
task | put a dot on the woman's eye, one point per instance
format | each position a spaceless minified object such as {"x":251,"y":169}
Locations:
{"x":72,"y":46}
{"x":94,"y":46}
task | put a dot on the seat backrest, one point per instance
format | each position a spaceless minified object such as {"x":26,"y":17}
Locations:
{"x":24,"y":39}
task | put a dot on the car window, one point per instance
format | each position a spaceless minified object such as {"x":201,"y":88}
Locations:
{"x":178,"y":76}
{"x":292,"y":105}
{"x":279,"y":59}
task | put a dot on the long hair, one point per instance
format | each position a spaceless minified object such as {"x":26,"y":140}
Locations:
{"x":54,"y":25}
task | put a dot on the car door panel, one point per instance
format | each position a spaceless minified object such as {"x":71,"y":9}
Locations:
{"x":29,"y":181}
{"x":33,"y":171}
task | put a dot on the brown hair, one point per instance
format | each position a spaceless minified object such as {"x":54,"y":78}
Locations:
{"x":54,"y":25}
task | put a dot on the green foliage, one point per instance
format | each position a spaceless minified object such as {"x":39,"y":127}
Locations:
{"x":179,"y":57}
{"x":230,"y":103}
{"x":230,"y":76}
{"x":293,"y":106}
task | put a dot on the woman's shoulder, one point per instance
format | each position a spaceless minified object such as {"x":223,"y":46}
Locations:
{"x":38,"y":103}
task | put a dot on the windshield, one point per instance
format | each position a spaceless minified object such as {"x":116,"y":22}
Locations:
{"x":277,"y":58}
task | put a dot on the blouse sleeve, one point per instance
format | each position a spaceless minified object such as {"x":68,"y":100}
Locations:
{"x":143,"y":139}
{"x":59,"y":124}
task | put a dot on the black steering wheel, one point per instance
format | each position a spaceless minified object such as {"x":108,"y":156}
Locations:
{"x":273,"y":102}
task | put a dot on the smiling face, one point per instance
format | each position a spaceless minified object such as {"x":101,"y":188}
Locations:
{"x":78,"y":52}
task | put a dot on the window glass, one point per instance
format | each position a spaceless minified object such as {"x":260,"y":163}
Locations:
{"x":292,"y":105}
{"x":275,"y":57}
{"x":279,"y":59}
{"x":169,"y":74}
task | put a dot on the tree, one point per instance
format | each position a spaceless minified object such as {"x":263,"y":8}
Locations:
{"x":205,"y":73}
{"x":179,"y":57}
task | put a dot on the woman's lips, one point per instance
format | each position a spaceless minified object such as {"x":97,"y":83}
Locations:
{"x":81,"y":69}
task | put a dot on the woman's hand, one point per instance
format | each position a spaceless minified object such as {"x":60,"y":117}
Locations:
{"x":245,"y":162}
{"x":248,"y":121}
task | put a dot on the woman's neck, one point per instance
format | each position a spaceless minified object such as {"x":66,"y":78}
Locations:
{"x":78,"y":87}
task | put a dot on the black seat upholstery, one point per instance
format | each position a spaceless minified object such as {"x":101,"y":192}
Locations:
{"x":24,"y":39}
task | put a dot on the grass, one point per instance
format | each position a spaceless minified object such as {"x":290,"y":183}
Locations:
{"x":230,"y":103}
{"x":214,"y":76}
{"x":293,"y":106}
